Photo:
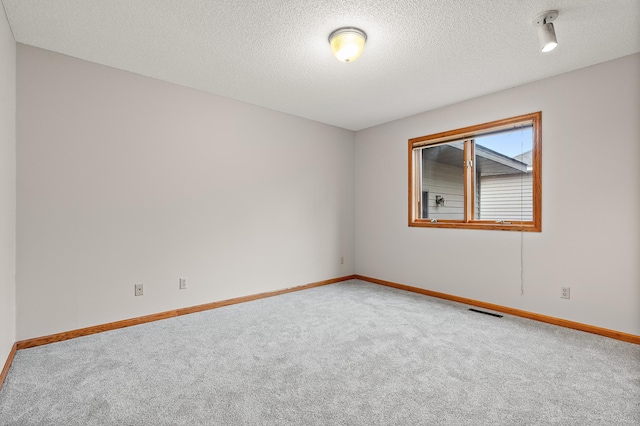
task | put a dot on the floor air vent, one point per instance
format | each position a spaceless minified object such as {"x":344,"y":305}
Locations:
{"x":486,"y":313}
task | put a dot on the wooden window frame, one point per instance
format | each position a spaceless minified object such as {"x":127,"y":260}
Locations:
{"x":466,"y":134}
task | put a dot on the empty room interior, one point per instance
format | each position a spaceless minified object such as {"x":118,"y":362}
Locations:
{"x":282,"y":212}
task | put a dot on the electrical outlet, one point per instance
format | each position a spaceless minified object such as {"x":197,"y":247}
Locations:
{"x":183,"y":283}
{"x":565,"y":292}
{"x":342,"y":260}
{"x":139,"y":289}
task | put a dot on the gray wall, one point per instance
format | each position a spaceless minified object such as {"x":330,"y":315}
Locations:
{"x":124,"y":179}
{"x":7,"y":189}
{"x":590,"y":149}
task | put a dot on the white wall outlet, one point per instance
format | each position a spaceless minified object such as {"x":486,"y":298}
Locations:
{"x":565,"y":292}
{"x":342,"y":260}
{"x":183,"y":283}
{"x":139,"y":289}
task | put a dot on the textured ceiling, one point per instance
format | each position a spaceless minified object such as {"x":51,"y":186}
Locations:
{"x":420,"y":54}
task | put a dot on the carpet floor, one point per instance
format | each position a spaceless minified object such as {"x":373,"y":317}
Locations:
{"x":351,"y":353}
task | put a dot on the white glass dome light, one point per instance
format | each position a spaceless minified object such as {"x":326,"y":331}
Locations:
{"x":347,"y":43}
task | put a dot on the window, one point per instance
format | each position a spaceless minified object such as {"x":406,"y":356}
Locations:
{"x":481,"y":177}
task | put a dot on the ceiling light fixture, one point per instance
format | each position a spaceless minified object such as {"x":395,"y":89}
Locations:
{"x":347,"y":43}
{"x":546,"y":32}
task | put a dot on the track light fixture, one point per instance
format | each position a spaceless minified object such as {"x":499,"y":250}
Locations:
{"x":546,"y":32}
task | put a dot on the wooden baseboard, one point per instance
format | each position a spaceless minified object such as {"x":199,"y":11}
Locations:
{"x":59,"y":337}
{"x":7,"y":364}
{"x":618,"y":335}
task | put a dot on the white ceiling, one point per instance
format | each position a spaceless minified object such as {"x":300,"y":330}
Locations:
{"x":420,"y":54}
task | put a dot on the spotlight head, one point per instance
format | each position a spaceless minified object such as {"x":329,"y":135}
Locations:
{"x":546,"y":31}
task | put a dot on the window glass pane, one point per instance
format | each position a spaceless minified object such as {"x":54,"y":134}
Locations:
{"x":504,"y":184}
{"x":442,"y":192}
